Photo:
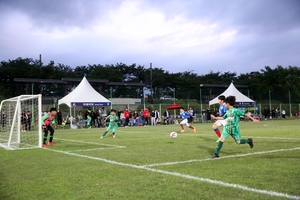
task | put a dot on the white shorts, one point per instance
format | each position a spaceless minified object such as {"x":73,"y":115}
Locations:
{"x":221,"y":122}
{"x":185,"y":121}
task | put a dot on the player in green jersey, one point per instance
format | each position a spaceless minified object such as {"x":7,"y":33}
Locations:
{"x":113,"y":123}
{"x":232,"y":127}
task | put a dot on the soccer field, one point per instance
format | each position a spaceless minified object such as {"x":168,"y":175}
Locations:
{"x":145,"y":163}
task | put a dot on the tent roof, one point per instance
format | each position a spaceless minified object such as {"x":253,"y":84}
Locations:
{"x":84,"y":95}
{"x":241,"y":99}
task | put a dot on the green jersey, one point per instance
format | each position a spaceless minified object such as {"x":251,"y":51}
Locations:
{"x":232,"y":126}
{"x":113,"y":121}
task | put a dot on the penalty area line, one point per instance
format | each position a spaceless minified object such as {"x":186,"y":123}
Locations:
{"x":216,"y":182}
{"x":223,"y":157}
{"x":101,"y":144}
{"x":95,"y":149}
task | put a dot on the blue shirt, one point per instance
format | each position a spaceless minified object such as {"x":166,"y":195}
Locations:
{"x":184,"y":115}
{"x":222,"y":110}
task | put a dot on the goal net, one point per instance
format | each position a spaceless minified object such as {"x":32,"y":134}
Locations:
{"x":21,"y":126}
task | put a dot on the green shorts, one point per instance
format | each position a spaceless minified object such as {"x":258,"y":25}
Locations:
{"x":236,"y":137}
{"x":112,"y":128}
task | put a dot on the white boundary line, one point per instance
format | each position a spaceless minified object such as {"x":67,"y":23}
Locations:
{"x":216,"y":182}
{"x":95,"y":149}
{"x":100,"y":144}
{"x":213,"y":135}
{"x":231,"y":156}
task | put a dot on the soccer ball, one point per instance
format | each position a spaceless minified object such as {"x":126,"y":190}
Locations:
{"x":173,"y":134}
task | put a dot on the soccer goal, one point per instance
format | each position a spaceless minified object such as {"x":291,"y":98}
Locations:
{"x":21,"y":126}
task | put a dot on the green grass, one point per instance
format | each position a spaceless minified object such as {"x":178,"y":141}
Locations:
{"x":81,"y":166}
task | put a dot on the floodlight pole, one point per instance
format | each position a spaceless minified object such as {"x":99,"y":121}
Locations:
{"x":144,"y":97}
{"x":174,"y":96}
{"x":270,"y":99}
{"x":151,"y":80}
{"x":290,"y":103}
{"x":201,"y":100}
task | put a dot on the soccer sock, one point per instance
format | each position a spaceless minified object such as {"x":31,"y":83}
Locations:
{"x":104,"y":133}
{"x":51,"y":138}
{"x":191,"y":127}
{"x":219,"y":147}
{"x":217,"y":132}
{"x":244,"y":141}
{"x":181,"y":126}
{"x":45,"y":139}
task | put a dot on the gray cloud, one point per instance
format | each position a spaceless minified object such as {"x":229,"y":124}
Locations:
{"x":265,"y":33}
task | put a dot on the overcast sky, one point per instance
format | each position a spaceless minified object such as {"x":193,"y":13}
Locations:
{"x":176,"y":35}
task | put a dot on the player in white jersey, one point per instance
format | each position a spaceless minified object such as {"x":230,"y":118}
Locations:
{"x":222,"y":111}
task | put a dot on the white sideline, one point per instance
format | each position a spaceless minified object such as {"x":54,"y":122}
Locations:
{"x":245,"y":136}
{"x":216,"y":182}
{"x":101,"y":144}
{"x":222,"y":157}
{"x":95,"y":149}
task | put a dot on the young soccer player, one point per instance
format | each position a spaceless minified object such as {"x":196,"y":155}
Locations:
{"x":232,"y":127}
{"x":222,"y":111}
{"x":113,"y":123}
{"x":184,"y":115}
{"x":46,"y":122}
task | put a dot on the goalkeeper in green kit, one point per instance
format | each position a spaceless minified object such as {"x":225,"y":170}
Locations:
{"x":232,"y":127}
{"x":113,"y":123}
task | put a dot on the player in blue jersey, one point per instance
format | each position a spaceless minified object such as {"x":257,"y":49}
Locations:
{"x":184,"y":115}
{"x":222,"y":111}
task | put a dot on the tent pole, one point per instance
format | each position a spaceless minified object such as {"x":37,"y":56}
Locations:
{"x":70,"y":117}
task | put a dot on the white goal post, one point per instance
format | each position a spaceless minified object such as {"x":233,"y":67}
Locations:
{"x":20,"y":122}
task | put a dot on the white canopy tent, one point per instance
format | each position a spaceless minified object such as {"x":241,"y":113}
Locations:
{"x":84,"y":95}
{"x":241,"y":99}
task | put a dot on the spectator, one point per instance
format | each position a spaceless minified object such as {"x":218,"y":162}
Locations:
{"x":167,"y":117}
{"x":208,"y":117}
{"x":119,"y":113}
{"x":191,"y":114}
{"x":59,"y":117}
{"x":3,"y":119}
{"x":283,"y":113}
{"x":196,"y":114}
{"x":80,"y":119}
{"x":157,"y":117}
{"x":203,"y":115}
{"x":266,"y":112}
{"x":23,"y":121}
{"x":142,"y":115}
{"x":127,"y":117}
{"x":277,"y":113}
{"x":273,"y":113}
{"x":28,"y":120}
{"x":153,"y":123}
{"x":146,"y":117}
{"x":135,"y":117}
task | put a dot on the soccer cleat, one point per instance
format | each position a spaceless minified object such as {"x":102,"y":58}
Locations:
{"x":101,"y":137}
{"x":250,"y":142}
{"x":45,"y":146}
{"x":215,"y":156}
{"x":90,"y":127}
{"x":194,"y":130}
{"x":218,"y":140}
{"x":51,"y":143}
{"x":114,"y":136}
{"x":182,"y":131}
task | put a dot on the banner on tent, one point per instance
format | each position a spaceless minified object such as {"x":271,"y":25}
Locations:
{"x":74,"y":104}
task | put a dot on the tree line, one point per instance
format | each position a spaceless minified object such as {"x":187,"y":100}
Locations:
{"x":279,"y":80}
